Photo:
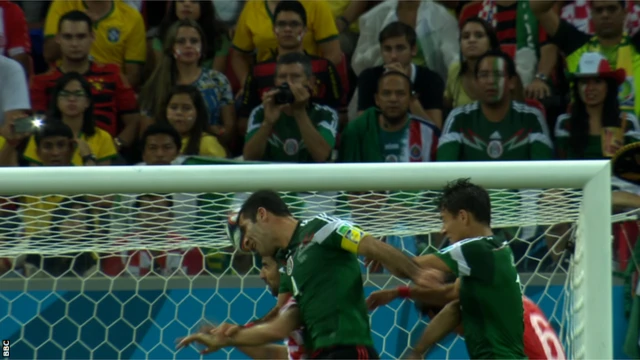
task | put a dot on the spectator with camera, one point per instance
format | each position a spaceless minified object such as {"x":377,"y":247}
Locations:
{"x":288,"y":127}
{"x":290,"y":18}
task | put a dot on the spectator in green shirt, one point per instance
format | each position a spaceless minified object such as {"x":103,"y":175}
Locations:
{"x":293,"y":130}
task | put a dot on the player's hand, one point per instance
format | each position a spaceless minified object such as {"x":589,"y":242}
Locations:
{"x":373,"y":265}
{"x":212,"y":343}
{"x":380,"y":298}
{"x":429,"y":278}
{"x":225,"y":329}
{"x":272,"y":111}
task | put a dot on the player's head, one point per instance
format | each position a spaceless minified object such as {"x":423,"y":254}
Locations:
{"x":465,"y":208}
{"x":258,"y":221}
{"x":270,"y":274}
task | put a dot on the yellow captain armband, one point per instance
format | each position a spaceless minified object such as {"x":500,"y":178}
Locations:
{"x":351,"y":237}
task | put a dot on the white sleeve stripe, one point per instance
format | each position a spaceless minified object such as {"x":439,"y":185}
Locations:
{"x":458,"y":256}
{"x":457,"y":111}
{"x":533,"y":137}
{"x":535,"y":111}
{"x":632,"y":119}
{"x":450,"y":137}
{"x":559,"y":128}
{"x":332,"y":124}
{"x":16,"y":51}
{"x":252,"y":118}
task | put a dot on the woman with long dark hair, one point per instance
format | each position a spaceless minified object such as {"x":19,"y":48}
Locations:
{"x":204,"y":13}
{"x":595,"y":128}
{"x":187,"y":113}
{"x":476,"y":38}
{"x":182,"y":57}
{"x":72,"y":104}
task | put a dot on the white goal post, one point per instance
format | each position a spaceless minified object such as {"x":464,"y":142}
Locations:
{"x":592,"y":264}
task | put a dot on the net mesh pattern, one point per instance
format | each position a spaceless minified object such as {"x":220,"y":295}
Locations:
{"x":48,"y":224}
{"x":122,"y":276}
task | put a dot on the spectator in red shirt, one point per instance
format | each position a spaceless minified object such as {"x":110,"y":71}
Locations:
{"x":14,"y":35}
{"x":115,"y":106}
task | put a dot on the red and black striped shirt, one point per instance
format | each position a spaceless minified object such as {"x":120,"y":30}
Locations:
{"x":111,"y":94}
{"x":328,"y":88}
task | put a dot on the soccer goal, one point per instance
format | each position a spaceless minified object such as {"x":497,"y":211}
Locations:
{"x":118,"y":262}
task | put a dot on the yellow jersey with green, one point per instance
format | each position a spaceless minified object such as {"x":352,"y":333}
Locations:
{"x":120,"y":34}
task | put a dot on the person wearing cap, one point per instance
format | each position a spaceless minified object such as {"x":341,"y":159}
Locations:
{"x":621,"y":50}
{"x":595,"y":127}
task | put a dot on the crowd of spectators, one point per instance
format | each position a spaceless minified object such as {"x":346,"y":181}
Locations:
{"x":138,"y":82}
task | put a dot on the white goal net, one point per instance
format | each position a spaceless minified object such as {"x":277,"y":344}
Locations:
{"x":119,"y":262}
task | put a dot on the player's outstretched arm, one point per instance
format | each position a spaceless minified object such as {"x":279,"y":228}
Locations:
{"x":396,"y":262}
{"x":277,"y":329}
{"x":438,"y":297}
{"x":442,"y":324}
{"x":271,"y":351}
{"x":262,"y":334}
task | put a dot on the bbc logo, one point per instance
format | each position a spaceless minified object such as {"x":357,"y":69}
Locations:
{"x":5,"y":348}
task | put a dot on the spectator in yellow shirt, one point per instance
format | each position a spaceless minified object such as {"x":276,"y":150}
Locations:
{"x":255,"y":32}
{"x":347,"y":13}
{"x":55,"y":144}
{"x":120,"y":36}
{"x":187,"y":113}
{"x":71,"y":104}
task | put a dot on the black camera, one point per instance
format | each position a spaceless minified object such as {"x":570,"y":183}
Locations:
{"x":284,"y":95}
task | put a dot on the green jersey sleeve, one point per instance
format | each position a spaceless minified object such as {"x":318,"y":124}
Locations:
{"x":339,"y":234}
{"x":561,"y":134}
{"x":450,"y":142}
{"x":539,"y":139}
{"x":349,"y":145}
{"x":328,"y":124}
{"x":468,"y":257}
{"x":255,"y":121}
{"x":632,"y":128}
{"x":285,"y":283}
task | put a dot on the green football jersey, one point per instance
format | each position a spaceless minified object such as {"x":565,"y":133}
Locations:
{"x":469,"y":136}
{"x":285,"y":143}
{"x":593,"y":146}
{"x":327,"y":283}
{"x":490,"y":297}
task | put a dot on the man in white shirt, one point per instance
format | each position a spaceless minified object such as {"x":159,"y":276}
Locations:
{"x":14,"y":92}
